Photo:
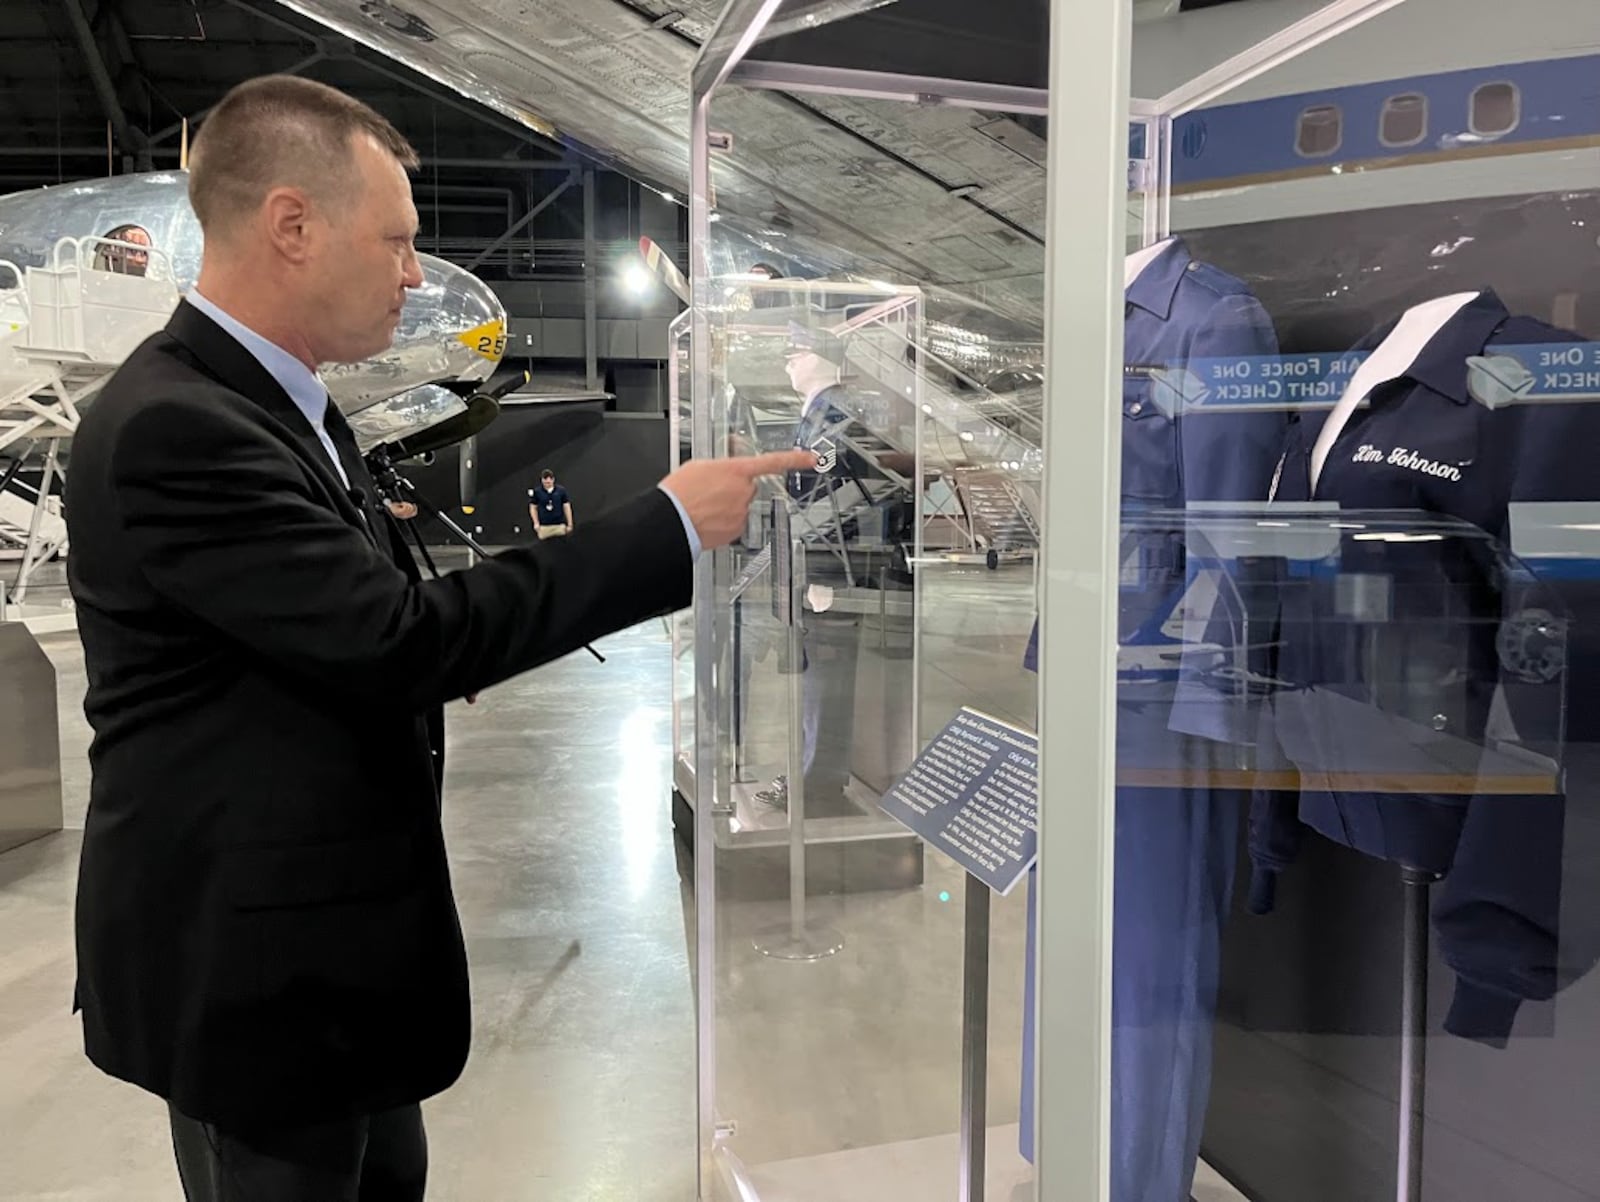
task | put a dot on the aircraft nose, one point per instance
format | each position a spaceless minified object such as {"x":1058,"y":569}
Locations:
{"x":469,"y":314}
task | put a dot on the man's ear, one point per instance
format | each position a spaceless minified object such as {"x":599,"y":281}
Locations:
{"x":287,"y":216}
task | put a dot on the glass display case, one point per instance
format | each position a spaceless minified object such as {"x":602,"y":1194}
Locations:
{"x":1209,"y":402}
{"x":813,"y":616}
{"x":679,"y":425}
{"x":863,"y":605}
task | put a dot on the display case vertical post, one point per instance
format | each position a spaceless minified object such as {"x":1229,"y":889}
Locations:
{"x":1090,"y":56}
{"x":736,"y":687}
{"x":705,"y":677}
{"x":797,"y":751}
{"x":975,"y":1042}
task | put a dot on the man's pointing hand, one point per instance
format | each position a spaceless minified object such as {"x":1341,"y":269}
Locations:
{"x":716,"y":493}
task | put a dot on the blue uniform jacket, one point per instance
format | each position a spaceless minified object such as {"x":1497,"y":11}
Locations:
{"x":1178,"y":310}
{"x":1423,"y":443}
{"x":828,"y":417}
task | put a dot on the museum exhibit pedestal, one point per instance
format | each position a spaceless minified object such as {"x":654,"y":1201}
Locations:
{"x":756,"y":866}
{"x":30,"y":750}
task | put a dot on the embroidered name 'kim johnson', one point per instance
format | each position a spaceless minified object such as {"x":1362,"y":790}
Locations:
{"x":1408,"y":459}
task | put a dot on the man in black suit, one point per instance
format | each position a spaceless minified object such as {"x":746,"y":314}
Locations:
{"x":266,"y":933}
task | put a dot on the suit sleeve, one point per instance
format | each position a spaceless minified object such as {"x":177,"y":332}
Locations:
{"x":225,"y":525}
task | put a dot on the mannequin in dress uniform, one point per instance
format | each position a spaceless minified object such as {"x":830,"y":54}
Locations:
{"x":1175,"y":847}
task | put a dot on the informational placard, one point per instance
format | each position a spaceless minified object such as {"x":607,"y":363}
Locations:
{"x":973,"y":794}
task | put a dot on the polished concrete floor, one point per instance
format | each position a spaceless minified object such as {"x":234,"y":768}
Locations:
{"x":839,"y":1079}
{"x":581,"y":1085}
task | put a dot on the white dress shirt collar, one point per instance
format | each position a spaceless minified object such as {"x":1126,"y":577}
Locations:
{"x":303,"y":386}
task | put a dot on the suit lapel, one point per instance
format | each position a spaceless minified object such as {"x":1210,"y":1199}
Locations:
{"x":241,"y":371}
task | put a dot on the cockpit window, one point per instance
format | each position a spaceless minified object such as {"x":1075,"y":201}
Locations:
{"x":119,"y":252}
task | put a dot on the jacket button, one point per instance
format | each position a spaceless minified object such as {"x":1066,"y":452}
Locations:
{"x":1136,"y":408}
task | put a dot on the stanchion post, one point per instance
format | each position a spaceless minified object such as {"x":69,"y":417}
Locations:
{"x":1418,"y":887}
{"x":797,"y":747}
{"x":975,"y":1042}
{"x":797,"y":940}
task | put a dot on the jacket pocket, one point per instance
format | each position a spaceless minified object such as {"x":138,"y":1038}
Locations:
{"x":313,"y":874}
{"x":1149,"y":445}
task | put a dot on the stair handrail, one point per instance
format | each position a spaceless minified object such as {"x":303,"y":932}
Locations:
{"x":988,"y":396}
{"x":955,"y":410}
{"x":19,"y":287}
{"x":73,"y":252}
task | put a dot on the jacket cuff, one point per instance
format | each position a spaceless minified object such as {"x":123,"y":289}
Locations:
{"x":1483,"y":1015}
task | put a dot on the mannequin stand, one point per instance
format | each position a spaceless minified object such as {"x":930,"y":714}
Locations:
{"x":798,"y":939}
{"x":1418,"y":886}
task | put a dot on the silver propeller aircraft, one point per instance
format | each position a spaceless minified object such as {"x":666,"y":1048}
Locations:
{"x":89,"y":270}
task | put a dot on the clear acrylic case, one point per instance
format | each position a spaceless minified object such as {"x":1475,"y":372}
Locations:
{"x":1317,"y":782}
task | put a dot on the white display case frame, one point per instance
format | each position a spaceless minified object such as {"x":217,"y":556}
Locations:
{"x":1089,"y":107}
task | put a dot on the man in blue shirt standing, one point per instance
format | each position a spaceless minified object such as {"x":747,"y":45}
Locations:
{"x":550,"y":507}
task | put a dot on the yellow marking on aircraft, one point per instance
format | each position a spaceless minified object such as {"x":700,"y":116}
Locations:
{"x":488,"y":340}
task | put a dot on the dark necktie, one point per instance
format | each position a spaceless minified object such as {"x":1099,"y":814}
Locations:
{"x":362,"y":492}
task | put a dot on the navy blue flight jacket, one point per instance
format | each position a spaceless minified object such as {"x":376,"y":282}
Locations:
{"x":1423,"y":443}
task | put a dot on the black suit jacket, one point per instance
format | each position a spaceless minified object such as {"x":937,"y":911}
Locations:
{"x":265,"y":926}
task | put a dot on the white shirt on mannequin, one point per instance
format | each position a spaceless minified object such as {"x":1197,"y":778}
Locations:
{"x":1391,"y":360}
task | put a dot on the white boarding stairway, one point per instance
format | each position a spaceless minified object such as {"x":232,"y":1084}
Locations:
{"x":67,"y":326}
{"x":18,"y":515}
{"x":994,"y":468}
{"x":1000,"y":515}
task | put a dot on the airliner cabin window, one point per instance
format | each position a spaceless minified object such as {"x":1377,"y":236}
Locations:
{"x":1496,"y":109}
{"x":1321,"y":131}
{"x":1404,"y":121}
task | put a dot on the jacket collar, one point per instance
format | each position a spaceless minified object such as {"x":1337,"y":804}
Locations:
{"x":1157,"y":285}
{"x":228,"y":359}
{"x":1442,"y":365}
{"x":231,"y":363}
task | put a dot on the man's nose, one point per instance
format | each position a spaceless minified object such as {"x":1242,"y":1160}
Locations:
{"x":413,"y":271}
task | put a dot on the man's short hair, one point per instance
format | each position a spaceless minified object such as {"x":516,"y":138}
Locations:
{"x":281,"y":130}
{"x":547,"y":474}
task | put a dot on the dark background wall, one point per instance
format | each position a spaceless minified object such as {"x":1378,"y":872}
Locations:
{"x":79,"y":107}
{"x":602,"y":459}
